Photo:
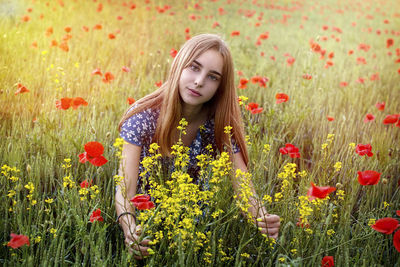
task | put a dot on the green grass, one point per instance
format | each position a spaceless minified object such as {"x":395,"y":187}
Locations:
{"x":38,"y":149}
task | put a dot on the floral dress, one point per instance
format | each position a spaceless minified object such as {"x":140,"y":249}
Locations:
{"x":140,"y":128}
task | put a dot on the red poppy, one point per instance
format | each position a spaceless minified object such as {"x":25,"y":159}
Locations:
{"x":94,"y":154}
{"x":255,"y":79}
{"x":307,"y":76}
{"x":396,"y":240}
{"x":243,"y":83}
{"x":389,"y":42}
{"x":368,"y":177}
{"x":343,"y":84}
{"x":67,"y":29}
{"x":64,"y":46}
{"x":142,"y":202}
{"x":97,"y":71}
{"x":215,"y":24}
{"x":158,"y":84}
{"x":108,"y":77}
{"x":364,"y":150}
{"x":85,"y":184}
{"x":263,"y":82}
{"x":173,"y":52}
{"x":390,"y":119}
{"x":77,"y":101}
{"x":25,"y":18}
{"x":126,"y":69}
{"x":330,"y":118}
{"x":21,"y":89}
{"x":290,"y":61}
{"x":111,"y":36}
{"x":360,"y":80}
{"x":97,"y":27}
{"x":386,"y":225}
{"x":253,"y":108}
{"x":290,"y":149}
{"x":327,"y":261}
{"x":380,"y":105}
{"x":398,"y":213}
{"x":369,"y":117}
{"x":85,"y":28}
{"x":331,"y":55}
{"x":64,"y":103}
{"x":319,"y":191}
{"x":18,"y":241}
{"x":374,"y":77}
{"x":96,"y":216}
{"x":131,"y":100}
{"x":281,"y":97}
{"x":49,"y":31}
{"x":235,"y":33}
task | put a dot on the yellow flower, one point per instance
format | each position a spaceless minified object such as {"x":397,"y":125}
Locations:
{"x":49,"y":200}
{"x":267,"y":198}
{"x":324,"y":145}
{"x":337,"y":166}
{"x":267,"y":148}
{"x":38,"y":239}
{"x":53,"y":231}
{"x":293,"y":251}
{"x":385,"y":204}
{"x":309,"y":231}
{"x":330,"y":232}
{"x":282,"y":259}
{"x":228,"y":129}
{"x":371,"y":221}
{"x":352,"y":145}
{"x":242,"y":100}
{"x":245,"y":255}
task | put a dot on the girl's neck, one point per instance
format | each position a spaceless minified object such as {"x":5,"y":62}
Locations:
{"x":193,"y":113}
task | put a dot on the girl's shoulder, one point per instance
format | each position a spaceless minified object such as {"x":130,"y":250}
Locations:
{"x":141,"y":126}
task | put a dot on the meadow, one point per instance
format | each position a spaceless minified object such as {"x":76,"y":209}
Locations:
{"x":319,"y":90}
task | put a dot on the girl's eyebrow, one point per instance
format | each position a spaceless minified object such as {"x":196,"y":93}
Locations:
{"x":212,"y":71}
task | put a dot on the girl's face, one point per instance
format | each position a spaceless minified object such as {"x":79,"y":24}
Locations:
{"x":200,"y":80}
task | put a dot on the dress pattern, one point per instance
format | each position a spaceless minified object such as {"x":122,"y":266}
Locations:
{"x":140,"y":128}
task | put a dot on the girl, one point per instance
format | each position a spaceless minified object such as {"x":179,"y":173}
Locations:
{"x":200,"y":88}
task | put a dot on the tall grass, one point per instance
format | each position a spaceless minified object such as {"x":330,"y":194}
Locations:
{"x":36,"y":137}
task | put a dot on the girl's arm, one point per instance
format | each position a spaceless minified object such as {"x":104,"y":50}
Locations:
{"x":129,"y":169}
{"x":268,"y":223}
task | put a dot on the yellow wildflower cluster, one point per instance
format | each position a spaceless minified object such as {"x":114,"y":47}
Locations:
{"x":182,"y":126}
{"x":305,"y":209}
{"x":31,"y":189}
{"x":245,"y":192}
{"x":222,"y":253}
{"x":180,"y":202}
{"x":67,"y":179}
{"x":329,"y":140}
{"x":91,"y":191}
{"x":287,"y":176}
{"x":266,"y":148}
{"x":337,"y":166}
{"x":242,"y":100}
{"x":10,"y":174}
{"x":119,"y":143}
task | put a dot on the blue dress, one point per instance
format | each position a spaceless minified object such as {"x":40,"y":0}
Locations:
{"x":140,"y":128}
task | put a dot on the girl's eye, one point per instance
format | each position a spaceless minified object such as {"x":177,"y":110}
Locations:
{"x":213,"y":77}
{"x":194,"y":67}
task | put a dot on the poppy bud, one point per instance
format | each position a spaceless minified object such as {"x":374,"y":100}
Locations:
{"x":93,"y":131}
{"x":108,"y":134}
{"x":384,"y":181}
{"x":339,"y":185}
{"x":28,"y":168}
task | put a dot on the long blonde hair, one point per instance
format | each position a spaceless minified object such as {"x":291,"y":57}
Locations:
{"x":224,"y":105}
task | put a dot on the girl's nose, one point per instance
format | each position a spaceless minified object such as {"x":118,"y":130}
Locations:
{"x":199,"y":80}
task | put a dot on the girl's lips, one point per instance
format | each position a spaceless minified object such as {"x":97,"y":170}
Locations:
{"x":194,"y":92}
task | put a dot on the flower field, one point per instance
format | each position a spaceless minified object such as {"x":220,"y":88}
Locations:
{"x":319,"y":87}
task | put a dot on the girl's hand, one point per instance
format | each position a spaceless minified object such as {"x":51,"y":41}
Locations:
{"x":139,"y":249}
{"x":269,"y":224}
